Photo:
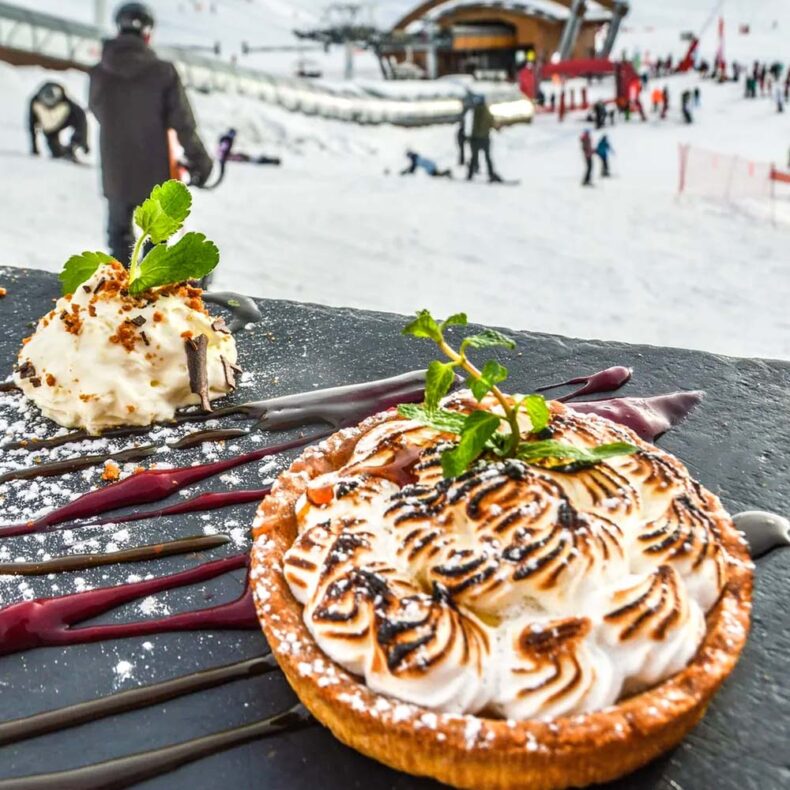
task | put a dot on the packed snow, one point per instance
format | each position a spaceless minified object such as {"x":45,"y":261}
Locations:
{"x":336,"y":224}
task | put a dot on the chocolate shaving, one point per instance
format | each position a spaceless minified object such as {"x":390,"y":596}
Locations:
{"x":86,"y":288}
{"x":27,"y":370}
{"x":145,"y":338}
{"x":64,"y":315}
{"x":219,"y":325}
{"x":197,"y":366}
{"x":100,"y":285}
{"x":137,"y":320}
{"x":230,"y":370}
{"x":35,"y":381}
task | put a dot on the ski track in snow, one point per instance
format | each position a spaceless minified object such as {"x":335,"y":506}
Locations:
{"x":626,"y":260}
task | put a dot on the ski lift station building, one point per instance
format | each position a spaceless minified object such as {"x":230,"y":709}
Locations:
{"x":464,"y":36}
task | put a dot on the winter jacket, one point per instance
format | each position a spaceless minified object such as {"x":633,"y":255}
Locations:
{"x":136,"y":97}
{"x":482,"y":122}
{"x":604,"y":148}
{"x":587,"y":148}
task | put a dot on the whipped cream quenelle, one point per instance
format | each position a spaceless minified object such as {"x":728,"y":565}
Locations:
{"x":103,"y":358}
{"x":512,"y":590}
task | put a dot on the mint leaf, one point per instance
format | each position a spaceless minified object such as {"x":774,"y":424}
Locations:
{"x":491,"y":375}
{"x":551,"y":450}
{"x":442,"y":420}
{"x":457,"y":319}
{"x":478,"y":429}
{"x":165,"y":211}
{"x":80,"y":268}
{"x":191,"y":258}
{"x":439,"y":379}
{"x":488,"y":338}
{"x":537,"y":410}
{"x":424,"y":325}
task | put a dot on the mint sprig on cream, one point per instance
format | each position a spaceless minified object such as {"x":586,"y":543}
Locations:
{"x":158,"y":219}
{"x":485,"y":433}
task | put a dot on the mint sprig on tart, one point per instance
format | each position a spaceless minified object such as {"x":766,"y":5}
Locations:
{"x":486,"y":434}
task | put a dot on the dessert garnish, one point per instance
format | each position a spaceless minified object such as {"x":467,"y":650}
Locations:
{"x":493,"y":433}
{"x":131,"y":346}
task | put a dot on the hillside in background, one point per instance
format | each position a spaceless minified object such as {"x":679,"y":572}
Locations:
{"x":652,"y":26}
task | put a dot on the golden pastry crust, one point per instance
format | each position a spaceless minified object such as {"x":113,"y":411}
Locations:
{"x":472,"y":751}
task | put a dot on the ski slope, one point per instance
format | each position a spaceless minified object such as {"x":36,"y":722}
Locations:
{"x":337,"y":225}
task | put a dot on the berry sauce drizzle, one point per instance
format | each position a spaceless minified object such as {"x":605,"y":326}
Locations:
{"x":648,"y":417}
{"x":152,"y":485}
{"x":47,"y":622}
{"x":608,"y":380}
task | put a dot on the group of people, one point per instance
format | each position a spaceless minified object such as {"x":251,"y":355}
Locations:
{"x":603,"y":150}
{"x":768,"y":80}
{"x":473,"y":138}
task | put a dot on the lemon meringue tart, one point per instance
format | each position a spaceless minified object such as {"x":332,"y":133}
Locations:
{"x":515,"y":626}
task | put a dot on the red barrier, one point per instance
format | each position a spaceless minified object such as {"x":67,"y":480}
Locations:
{"x":778,"y":175}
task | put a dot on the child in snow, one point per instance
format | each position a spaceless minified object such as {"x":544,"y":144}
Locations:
{"x":602,"y":150}
{"x":417,"y":162}
{"x":587,"y":152}
{"x":52,"y":112}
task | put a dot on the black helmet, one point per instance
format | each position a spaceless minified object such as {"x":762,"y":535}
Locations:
{"x":51,"y":94}
{"x":134,"y":18}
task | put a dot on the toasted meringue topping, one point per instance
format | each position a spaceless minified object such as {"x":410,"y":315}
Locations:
{"x":516,"y":590}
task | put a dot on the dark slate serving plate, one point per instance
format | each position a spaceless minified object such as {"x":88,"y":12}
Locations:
{"x":737,"y":443}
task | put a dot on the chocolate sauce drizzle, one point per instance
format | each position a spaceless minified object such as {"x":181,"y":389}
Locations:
{"x":242,"y":308}
{"x":127,"y":771}
{"x":133,"y":699}
{"x":8,"y":386}
{"x":80,"y":562}
{"x":763,"y":531}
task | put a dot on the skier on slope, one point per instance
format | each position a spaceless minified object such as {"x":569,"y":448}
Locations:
{"x":685,"y":106}
{"x":480,"y":140}
{"x":136,"y":98}
{"x":417,"y":162}
{"x":52,"y":112}
{"x":587,"y":152}
{"x":602,"y":151}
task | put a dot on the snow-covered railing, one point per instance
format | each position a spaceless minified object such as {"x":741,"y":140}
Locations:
{"x":439,"y":102}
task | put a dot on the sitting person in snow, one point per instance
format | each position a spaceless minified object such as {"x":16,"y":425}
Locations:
{"x":225,"y":152}
{"x":417,"y":162}
{"x":52,"y":112}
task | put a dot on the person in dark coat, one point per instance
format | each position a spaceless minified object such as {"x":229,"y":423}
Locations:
{"x":480,"y":140}
{"x":52,"y":112}
{"x":136,"y":98}
{"x":685,"y":106}
{"x":587,"y":152}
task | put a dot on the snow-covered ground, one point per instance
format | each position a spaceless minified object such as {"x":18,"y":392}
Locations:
{"x":337,"y":225}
